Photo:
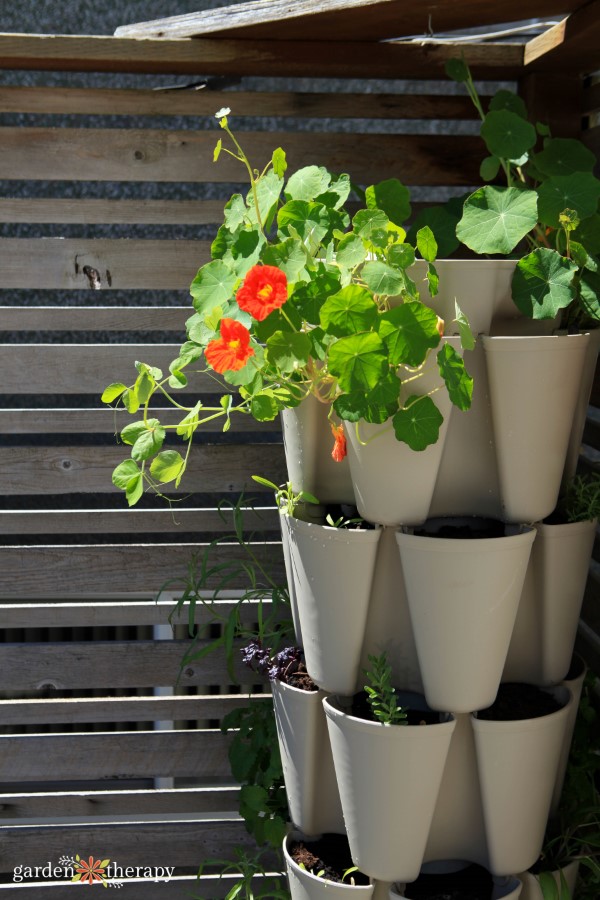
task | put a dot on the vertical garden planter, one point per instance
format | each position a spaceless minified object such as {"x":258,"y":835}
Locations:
{"x":393,"y":485}
{"x":517,"y":761}
{"x":534,"y":386}
{"x":463,"y":592}
{"x":308,"y":772}
{"x":332,"y":571}
{"x":574,"y":682}
{"x":307,"y":443}
{"x":546,"y":626}
{"x":389,"y":777}
{"x":304,"y":885}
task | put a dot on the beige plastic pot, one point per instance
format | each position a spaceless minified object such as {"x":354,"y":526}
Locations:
{"x":546,"y":626}
{"x":463,"y":595}
{"x":531,"y":886}
{"x":534,"y":385}
{"x":332,"y":571}
{"x":306,"y":886}
{"x":505,"y":888}
{"x":308,"y":442}
{"x":389,"y":778}
{"x":574,"y":682}
{"x":393,"y":484}
{"x":308,"y":772}
{"x":518,"y":763}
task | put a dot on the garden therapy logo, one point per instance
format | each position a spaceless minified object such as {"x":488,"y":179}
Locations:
{"x":89,"y":870}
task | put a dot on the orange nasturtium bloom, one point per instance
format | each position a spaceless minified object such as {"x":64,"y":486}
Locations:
{"x":232,"y":350}
{"x":92,"y":870}
{"x":339,"y":448}
{"x":264,"y":289}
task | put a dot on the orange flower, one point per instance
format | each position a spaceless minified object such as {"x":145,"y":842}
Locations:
{"x":339,"y":448}
{"x":264,"y":289}
{"x":92,"y":870}
{"x":232,"y":350}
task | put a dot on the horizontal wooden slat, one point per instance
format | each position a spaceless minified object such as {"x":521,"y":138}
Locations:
{"x":65,"y":571}
{"x":194,"y":102}
{"x":118,"y":803}
{"x":83,"y":211}
{"x":100,"y":665}
{"x":119,"y":709}
{"x":179,"y":887}
{"x":75,"y":53}
{"x":123,"y":754}
{"x":94,"y":318}
{"x":65,"y":263}
{"x":128,"y":521}
{"x":55,"y":470}
{"x":572,"y":45}
{"x":100,"y":154}
{"x":130,"y":844}
{"x":101,"y":612}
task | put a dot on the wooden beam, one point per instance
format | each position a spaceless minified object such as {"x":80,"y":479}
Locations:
{"x":83,"y":211}
{"x":198,"y":56}
{"x":571,"y":46}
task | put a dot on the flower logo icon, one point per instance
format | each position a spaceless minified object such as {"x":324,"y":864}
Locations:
{"x":90,"y":871}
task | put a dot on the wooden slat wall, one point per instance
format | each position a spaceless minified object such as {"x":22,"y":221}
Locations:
{"x":80,"y":667}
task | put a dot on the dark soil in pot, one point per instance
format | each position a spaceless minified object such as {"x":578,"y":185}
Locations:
{"x":328,"y":857}
{"x":301,"y":680}
{"x":344,"y":515}
{"x":463,"y":528}
{"x":520,"y":701}
{"x":362,"y":710}
{"x":471,"y":883}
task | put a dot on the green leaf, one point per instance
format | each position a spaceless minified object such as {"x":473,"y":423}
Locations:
{"x":588,"y":234}
{"x":235,"y":212}
{"x":458,"y":381}
{"x":368,"y":221}
{"x":579,"y":191}
{"x":548,"y":886}
{"x":375,"y":406}
{"x":489,"y":168}
{"x":457,"y":70}
{"x":418,"y":423}
{"x":131,"y":401}
{"x":217,"y":150}
{"x":288,"y":351}
{"x":358,"y":361}
{"x":507,"y":135}
{"x":307,"y":183}
{"x":426,"y":243}
{"x":309,"y":220}
{"x":149,"y":442}
{"x":509,"y":100}
{"x":289,"y":256}
{"x":167,"y":466}
{"x":543,"y":283}
{"x":268,"y":190}
{"x":564,"y":156}
{"x":189,"y":423}
{"x":134,"y":430}
{"x":392,"y":197}
{"x":401,"y":255}
{"x":212,"y":286}
{"x":134,"y":489}
{"x":467,"y":338}
{"x":308,"y":298}
{"x":433,"y":279}
{"x":409,"y":331}
{"x":382,"y":279}
{"x":337,"y":192}
{"x":123,"y":474}
{"x":351,"y":251}
{"x":264,"y":406}
{"x":279,"y":162}
{"x":495,"y":219}
{"x":350,"y":311}
{"x":113,"y":391}
{"x":589,"y":288}
{"x":442,"y":220}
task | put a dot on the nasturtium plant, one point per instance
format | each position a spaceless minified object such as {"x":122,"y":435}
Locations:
{"x":300,"y":298}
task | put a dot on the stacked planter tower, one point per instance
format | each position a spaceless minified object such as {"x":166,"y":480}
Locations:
{"x":456,"y":617}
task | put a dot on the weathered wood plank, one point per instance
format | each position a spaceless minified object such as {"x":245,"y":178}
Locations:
{"x":572,"y":45}
{"x":94,"y":318}
{"x":100,"y":612}
{"x":100,"y":264}
{"x":140,"y":754}
{"x":64,"y":571}
{"x":119,"y":709}
{"x":179,"y":887}
{"x":100,"y":665}
{"x":128,"y":521}
{"x":99,"y":154}
{"x":83,"y":211}
{"x":53,"y":470}
{"x":118,"y":803}
{"x":194,"y":102}
{"x":109,"y":421}
{"x":75,"y":53}
{"x":131,"y":844}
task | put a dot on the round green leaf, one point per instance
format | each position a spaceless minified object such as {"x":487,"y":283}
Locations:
{"x":489,"y":168}
{"x":382,"y":279}
{"x":495,"y":219}
{"x":563,"y":156}
{"x":113,"y":391}
{"x":289,"y":256}
{"x":589,"y":289}
{"x":358,"y":361}
{"x":426,"y":243}
{"x":264,"y":406}
{"x":123,"y":474}
{"x":212,"y":286}
{"x":507,"y":135}
{"x":375,"y":406}
{"x":288,"y":351}
{"x":134,"y":430}
{"x":543,"y":283}
{"x":459,"y":383}
{"x":149,"y":442}
{"x":350,"y":251}
{"x":418,"y":423}
{"x":588,"y":234}
{"x":167,"y":466}
{"x":579,"y":192}
{"x":510,"y":101}
{"x":307,"y":183}
{"x":457,"y":70}
{"x":366,"y":222}
{"x":409,"y":331}
{"x":350,"y":311}
{"x":309,"y":220}
{"x":392,"y":197}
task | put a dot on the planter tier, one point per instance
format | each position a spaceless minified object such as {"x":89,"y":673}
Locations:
{"x":388,"y":778}
{"x":531,"y":886}
{"x":437,"y":873}
{"x":306,"y":886}
{"x":463,"y":595}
